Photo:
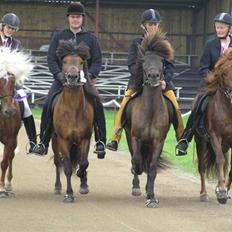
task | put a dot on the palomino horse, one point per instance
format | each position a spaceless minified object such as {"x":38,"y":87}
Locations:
{"x":14,"y":66}
{"x":212,"y":153}
{"x":72,"y":119}
{"x":147,"y":114}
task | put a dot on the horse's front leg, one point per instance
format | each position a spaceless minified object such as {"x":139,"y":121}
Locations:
{"x":63,"y":150}
{"x":137,"y":161}
{"x":221,"y":191}
{"x":83,"y":165}
{"x":57,"y":162}
{"x":152,"y":202}
{"x":8,"y":155}
{"x":8,"y":185}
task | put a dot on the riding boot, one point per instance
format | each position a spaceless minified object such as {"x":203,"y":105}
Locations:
{"x":99,"y":129}
{"x":46,"y":130}
{"x":29,"y":124}
{"x":117,"y":132}
{"x":182,"y":146}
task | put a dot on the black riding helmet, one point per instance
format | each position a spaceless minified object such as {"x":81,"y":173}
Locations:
{"x":12,"y":20}
{"x":75,"y":8}
{"x":223,"y":18}
{"x":151,"y":15}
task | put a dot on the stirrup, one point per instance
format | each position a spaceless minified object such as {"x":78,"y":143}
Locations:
{"x":28,"y":147}
{"x":95,"y":146}
{"x":180,"y":152}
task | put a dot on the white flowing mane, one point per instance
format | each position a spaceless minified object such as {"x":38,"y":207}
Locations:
{"x":16,"y":62}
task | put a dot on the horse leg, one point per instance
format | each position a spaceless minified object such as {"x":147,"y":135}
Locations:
{"x":137,"y":161}
{"x":8,"y":155}
{"x":136,"y":186}
{"x":8,"y":185}
{"x":58,"y":186}
{"x":201,"y":148}
{"x":83,"y":165}
{"x":228,"y":184}
{"x":68,"y":198}
{"x":152,"y":202}
{"x":221,"y":191}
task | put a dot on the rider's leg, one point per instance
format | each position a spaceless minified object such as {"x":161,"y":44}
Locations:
{"x":99,"y":128}
{"x":117,"y":132}
{"x":179,"y":128}
{"x":189,"y":130}
{"x":29,"y":124}
{"x":46,"y":127}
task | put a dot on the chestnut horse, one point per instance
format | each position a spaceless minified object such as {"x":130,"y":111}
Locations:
{"x":147,"y":115}
{"x":213,"y":153}
{"x":14,"y":67}
{"x":73,"y":118}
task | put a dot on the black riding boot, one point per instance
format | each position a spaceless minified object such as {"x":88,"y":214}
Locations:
{"x":45,"y":135}
{"x":29,"y":124}
{"x":182,"y":146}
{"x":99,"y":129}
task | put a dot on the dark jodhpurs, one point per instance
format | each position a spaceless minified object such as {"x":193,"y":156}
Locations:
{"x":46,"y":126}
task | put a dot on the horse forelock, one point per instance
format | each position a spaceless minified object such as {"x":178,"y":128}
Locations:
{"x":69,"y":48}
{"x":222,"y":70}
{"x":14,"y":62}
{"x":158,"y":44}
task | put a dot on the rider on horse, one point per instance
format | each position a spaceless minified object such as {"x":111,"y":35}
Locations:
{"x":77,"y":34}
{"x":212,"y":51}
{"x":9,"y":25}
{"x":150,"y":23}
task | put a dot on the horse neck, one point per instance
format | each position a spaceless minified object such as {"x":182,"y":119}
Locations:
{"x":74,"y":96}
{"x":152,"y":98}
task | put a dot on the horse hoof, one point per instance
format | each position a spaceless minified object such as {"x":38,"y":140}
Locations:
{"x":57,"y":191}
{"x":68,"y":198}
{"x":84,"y":190}
{"x":152,"y":203}
{"x":136,"y":192}
{"x":101,"y":155}
{"x":222,"y":196}
{"x":4,"y":194}
{"x":204,"y":197}
{"x":8,"y":187}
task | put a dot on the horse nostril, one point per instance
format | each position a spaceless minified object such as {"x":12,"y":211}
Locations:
{"x":157,"y":75}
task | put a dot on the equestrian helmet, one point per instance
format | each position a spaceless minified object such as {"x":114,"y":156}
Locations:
{"x":151,"y":15}
{"x":12,"y":20}
{"x":75,"y":8}
{"x":223,"y":18}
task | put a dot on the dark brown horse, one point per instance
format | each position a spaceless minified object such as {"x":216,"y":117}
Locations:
{"x":73,"y":119}
{"x":14,"y":66}
{"x":10,"y":122}
{"x":213,"y":154}
{"x":148,"y":119}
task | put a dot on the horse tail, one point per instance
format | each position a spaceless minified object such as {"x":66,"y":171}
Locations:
{"x":162,"y":164}
{"x":210,"y":162}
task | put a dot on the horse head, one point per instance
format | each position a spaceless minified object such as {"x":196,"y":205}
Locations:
{"x":74,"y":62}
{"x":7,"y":86}
{"x":153,"y":50}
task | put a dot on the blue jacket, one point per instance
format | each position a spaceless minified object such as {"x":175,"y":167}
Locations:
{"x":211,"y":54}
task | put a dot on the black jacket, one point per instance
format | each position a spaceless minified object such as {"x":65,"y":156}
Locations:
{"x":12,"y":43}
{"x":211,"y":54}
{"x":94,"y":63}
{"x":132,"y":56}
